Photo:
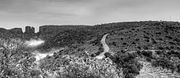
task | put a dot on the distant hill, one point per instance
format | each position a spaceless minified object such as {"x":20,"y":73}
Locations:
{"x":149,"y":35}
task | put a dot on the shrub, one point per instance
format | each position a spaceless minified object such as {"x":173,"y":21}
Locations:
{"x":128,"y":63}
{"x":160,"y":48}
{"x":69,"y":37}
{"x":114,"y":44}
{"x":173,"y":53}
{"x":137,"y":39}
{"x":145,"y":47}
{"x":124,"y":43}
{"x":147,"y":53}
{"x":130,"y":75}
{"x":153,"y":41}
{"x":164,"y":63}
{"x":177,"y":40}
{"x":169,"y":37}
{"x":35,"y":73}
{"x":178,"y":68}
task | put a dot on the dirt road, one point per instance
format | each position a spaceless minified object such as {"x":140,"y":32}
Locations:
{"x":105,"y":47}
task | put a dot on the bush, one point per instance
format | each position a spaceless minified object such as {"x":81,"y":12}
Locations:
{"x":147,"y":53}
{"x":178,"y":68}
{"x":69,"y":37}
{"x":114,"y":44}
{"x":173,"y":53}
{"x":128,"y":63}
{"x":153,"y":41}
{"x":160,"y":48}
{"x":35,"y":73}
{"x":169,"y":37}
{"x":164,"y":63}
{"x":177,"y":40}
{"x":130,"y":75}
{"x":145,"y":47}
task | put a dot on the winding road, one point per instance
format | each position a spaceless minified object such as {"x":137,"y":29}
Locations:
{"x":105,"y":47}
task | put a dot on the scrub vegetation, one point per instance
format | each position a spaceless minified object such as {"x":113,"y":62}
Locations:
{"x":70,"y":51}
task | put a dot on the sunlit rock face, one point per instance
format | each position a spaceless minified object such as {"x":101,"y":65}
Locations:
{"x":34,"y":42}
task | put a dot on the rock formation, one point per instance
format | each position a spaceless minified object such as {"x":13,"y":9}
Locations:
{"x":29,"y":30}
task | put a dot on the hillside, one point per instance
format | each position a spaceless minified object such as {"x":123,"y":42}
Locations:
{"x":137,"y":50}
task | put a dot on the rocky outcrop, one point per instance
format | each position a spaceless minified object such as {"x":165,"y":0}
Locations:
{"x":29,"y":30}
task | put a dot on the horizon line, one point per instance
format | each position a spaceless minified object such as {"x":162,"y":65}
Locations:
{"x":37,"y":27}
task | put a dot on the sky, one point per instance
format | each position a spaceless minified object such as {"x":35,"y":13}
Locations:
{"x":20,"y":13}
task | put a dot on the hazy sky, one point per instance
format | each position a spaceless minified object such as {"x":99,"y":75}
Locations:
{"x":19,"y":13}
